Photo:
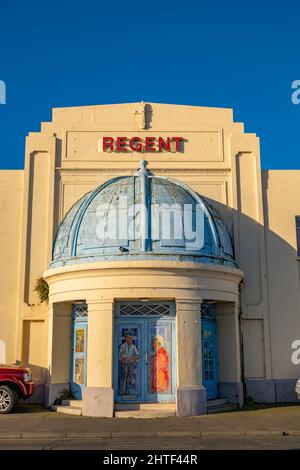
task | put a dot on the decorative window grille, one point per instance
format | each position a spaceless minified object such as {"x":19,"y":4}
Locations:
{"x":208,"y":353}
{"x":144,"y":309}
{"x":80,"y":312}
{"x":208,"y":311}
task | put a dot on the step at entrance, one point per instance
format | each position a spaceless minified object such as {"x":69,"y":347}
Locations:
{"x":74,"y":403}
{"x":145,"y":414}
{"x":219,"y":405}
{"x":145,"y":406}
{"x":145,"y":410}
{"x":70,"y":407}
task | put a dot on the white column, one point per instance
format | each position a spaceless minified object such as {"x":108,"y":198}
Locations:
{"x":98,"y":398}
{"x":191,"y":395}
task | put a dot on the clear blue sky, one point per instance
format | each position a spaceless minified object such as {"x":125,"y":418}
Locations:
{"x":238,"y":54}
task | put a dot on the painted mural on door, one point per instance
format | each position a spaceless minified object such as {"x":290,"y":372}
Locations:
{"x":144,"y":352}
{"x":79,"y":350}
{"x":129,"y":363}
{"x":159,"y":350}
{"x":209,"y":350}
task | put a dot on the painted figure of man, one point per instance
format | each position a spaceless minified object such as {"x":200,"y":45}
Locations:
{"x":159,"y":366}
{"x":128,"y":358}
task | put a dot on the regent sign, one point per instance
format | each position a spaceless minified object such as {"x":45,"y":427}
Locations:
{"x":137,"y":144}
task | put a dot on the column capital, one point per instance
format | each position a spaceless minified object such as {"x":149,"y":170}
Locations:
{"x":99,"y":304}
{"x":191,"y":305}
{"x":60,"y":309}
{"x":182,"y":300}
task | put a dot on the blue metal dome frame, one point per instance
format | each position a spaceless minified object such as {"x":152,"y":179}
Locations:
{"x":76,"y":239}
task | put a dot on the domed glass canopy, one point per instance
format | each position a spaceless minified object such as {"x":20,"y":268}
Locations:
{"x":142,"y":217}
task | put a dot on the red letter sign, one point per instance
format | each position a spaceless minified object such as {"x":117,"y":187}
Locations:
{"x":108,"y":144}
{"x":177,"y":140}
{"x":136,"y":144}
{"x":164,"y":144}
{"x":121,"y":144}
{"x":150,"y":143}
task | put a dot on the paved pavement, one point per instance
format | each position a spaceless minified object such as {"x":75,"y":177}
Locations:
{"x":32,"y":422}
{"x":165,"y":443}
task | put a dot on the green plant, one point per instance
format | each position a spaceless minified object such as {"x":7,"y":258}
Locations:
{"x":42,"y":289}
{"x":65,"y":394}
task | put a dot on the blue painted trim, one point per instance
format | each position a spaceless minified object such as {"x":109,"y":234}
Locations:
{"x":211,"y":386}
{"x":170,"y":303}
{"x":183,"y":256}
{"x":78,"y":389}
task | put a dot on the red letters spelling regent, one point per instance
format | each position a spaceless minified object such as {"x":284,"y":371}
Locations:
{"x":108,"y":144}
{"x":150,"y":144}
{"x":136,"y":144}
{"x":164,"y":144}
{"x":121,"y":144}
{"x":177,"y":140}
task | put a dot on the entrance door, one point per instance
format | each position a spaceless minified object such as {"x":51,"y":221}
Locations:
{"x":79,"y":350}
{"x":144,"y":352}
{"x":209,"y":350}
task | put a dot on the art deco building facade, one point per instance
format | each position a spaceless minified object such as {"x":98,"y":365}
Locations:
{"x":171,"y":259}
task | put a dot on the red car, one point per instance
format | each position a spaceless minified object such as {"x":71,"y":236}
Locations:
{"x":15,"y":382}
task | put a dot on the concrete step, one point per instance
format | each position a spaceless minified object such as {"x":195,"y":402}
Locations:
{"x":216,"y":402}
{"x":74,"y":403}
{"x":70,"y":410}
{"x":145,"y":414}
{"x":145,"y":406}
{"x":221,"y":408}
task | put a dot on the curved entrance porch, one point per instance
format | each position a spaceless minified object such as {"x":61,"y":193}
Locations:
{"x":187,"y":285}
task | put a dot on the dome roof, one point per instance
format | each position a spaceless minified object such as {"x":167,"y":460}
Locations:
{"x":142,"y":217}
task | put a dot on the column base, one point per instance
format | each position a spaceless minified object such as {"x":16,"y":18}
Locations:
{"x":191,"y":401}
{"x":285,"y":390}
{"x":261,"y":390}
{"x":98,"y":402}
{"x":233,"y":391}
{"x":52,"y":391}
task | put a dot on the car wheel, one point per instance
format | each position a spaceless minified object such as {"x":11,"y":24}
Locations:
{"x":7,"y":399}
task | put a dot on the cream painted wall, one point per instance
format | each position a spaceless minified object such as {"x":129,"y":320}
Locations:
{"x":11,"y":187}
{"x":282,"y":204}
{"x":33,"y":351}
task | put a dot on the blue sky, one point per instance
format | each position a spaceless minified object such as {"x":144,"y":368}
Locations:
{"x":241,"y":55}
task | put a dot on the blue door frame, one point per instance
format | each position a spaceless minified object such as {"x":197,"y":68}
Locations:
{"x":209,"y":350}
{"x":78,"y":365}
{"x":151,"y":374}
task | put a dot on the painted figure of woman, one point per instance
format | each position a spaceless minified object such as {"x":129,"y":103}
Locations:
{"x":159,"y":366}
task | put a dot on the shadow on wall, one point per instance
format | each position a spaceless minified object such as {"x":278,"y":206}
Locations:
{"x":270,"y":299}
{"x":40,"y":376}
